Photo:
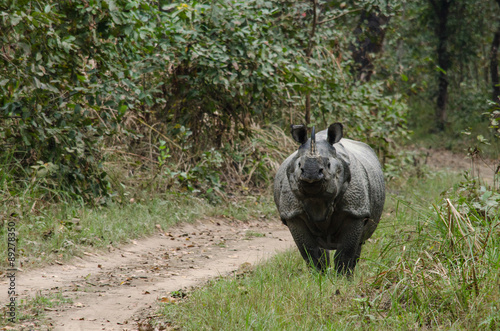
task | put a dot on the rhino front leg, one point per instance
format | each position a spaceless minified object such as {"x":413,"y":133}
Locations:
{"x":308,"y":246}
{"x":349,"y":250}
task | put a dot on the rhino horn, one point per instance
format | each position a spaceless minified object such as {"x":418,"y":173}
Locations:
{"x":313,"y":141}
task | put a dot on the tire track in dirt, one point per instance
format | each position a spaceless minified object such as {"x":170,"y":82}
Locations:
{"x":119,"y":289}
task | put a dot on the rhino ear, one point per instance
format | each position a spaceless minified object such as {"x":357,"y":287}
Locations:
{"x":299,"y":133}
{"x":335,"y":132}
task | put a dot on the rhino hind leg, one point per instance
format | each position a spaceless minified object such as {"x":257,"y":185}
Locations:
{"x":308,"y":247}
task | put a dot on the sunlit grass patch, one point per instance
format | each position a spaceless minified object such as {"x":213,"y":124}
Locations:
{"x":252,"y":234}
{"x":277,"y":295}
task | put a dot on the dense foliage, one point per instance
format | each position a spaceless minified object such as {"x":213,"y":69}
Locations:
{"x":77,"y":76}
{"x":185,"y":87}
{"x":69,"y":71}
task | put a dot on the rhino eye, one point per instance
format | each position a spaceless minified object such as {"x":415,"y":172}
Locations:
{"x":329,"y":165}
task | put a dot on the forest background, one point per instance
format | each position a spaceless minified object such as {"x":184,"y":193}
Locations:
{"x":101,"y":98}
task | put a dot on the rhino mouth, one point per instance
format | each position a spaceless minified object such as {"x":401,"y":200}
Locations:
{"x":312,"y":187}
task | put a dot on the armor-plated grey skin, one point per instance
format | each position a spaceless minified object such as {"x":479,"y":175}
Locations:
{"x":330,"y":193}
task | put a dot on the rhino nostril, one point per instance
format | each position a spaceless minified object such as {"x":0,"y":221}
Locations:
{"x":302,"y":170}
{"x":320,"y":170}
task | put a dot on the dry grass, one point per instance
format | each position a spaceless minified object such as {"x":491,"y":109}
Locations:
{"x":241,"y":165}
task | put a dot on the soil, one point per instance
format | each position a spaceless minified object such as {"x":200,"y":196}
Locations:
{"x":477,"y":165}
{"x":121,"y":289}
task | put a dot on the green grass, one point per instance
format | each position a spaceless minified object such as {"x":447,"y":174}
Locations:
{"x":253,"y":234}
{"x":34,"y":309}
{"x":59,"y":232}
{"x":426,"y":267}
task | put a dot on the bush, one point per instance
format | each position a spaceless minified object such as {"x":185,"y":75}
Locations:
{"x":69,"y":72}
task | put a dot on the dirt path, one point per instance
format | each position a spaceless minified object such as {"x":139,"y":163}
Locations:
{"x":120,"y":289}
{"x":443,"y":159}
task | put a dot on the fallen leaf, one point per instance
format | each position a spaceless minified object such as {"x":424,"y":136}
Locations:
{"x":168,"y":299}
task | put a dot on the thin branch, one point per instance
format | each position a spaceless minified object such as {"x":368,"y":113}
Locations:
{"x":131,"y":154}
{"x":310,"y":45}
{"x":161,"y":134}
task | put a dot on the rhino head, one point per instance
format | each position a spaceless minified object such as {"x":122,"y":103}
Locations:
{"x":317,"y":173}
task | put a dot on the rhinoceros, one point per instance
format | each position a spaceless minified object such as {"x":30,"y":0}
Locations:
{"x":330,"y":193}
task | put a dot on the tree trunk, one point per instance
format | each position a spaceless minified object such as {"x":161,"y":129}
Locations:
{"x":495,"y":81}
{"x":441,"y":10}
{"x":369,"y":35}
{"x":309,"y":49}
{"x":307,"y":114}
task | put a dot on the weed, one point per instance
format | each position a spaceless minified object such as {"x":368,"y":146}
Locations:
{"x":251,"y":234}
{"x":34,"y":308}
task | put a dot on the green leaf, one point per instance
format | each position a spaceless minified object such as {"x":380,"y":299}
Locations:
{"x":15,"y":19}
{"x":122,"y":109}
{"x":438,"y":68}
{"x":77,"y":110}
